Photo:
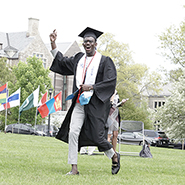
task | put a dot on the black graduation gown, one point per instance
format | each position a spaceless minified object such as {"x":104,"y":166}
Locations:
{"x":94,"y":130}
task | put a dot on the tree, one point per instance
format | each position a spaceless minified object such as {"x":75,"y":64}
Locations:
{"x":132,"y":79}
{"x":171,"y":116}
{"x":119,"y":52}
{"x":29,"y":76}
{"x":6,"y":74}
{"x":172,"y":45}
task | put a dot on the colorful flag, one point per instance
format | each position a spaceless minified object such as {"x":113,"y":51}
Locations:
{"x":31,"y":101}
{"x":52,"y":105}
{"x":3,"y":94}
{"x":42,"y":101}
{"x":12,"y":101}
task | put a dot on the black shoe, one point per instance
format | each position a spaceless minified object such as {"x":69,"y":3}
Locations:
{"x":116,"y":165}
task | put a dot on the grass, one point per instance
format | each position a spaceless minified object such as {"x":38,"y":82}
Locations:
{"x":26,"y":159}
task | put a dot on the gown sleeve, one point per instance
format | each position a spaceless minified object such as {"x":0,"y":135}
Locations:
{"x":64,"y":65}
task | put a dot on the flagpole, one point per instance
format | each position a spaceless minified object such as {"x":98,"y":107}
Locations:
{"x":6,"y":108}
{"x":19,"y":105}
{"x":36,"y":108}
{"x":35,"y":117}
{"x":18,"y":115}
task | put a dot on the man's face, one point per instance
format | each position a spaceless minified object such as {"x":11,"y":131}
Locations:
{"x":89,"y":45}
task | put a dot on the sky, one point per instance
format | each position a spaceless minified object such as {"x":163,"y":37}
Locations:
{"x":133,"y":22}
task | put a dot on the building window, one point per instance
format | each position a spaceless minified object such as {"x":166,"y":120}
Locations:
{"x":41,"y":56}
{"x":44,"y":62}
{"x":155,"y":104}
{"x":158,"y":103}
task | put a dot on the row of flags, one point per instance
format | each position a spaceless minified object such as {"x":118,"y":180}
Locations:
{"x":44,"y":107}
{"x":12,"y":101}
{"x":3,"y":93}
{"x":51,"y":106}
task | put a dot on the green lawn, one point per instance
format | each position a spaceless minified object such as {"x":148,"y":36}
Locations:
{"x":26,"y":159}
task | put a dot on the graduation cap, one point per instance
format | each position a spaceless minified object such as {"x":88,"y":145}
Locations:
{"x":90,"y":32}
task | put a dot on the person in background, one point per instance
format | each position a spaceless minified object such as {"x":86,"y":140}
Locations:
{"x":114,"y":118}
{"x":93,"y":85}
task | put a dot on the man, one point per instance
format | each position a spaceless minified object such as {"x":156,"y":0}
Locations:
{"x":93,"y":85}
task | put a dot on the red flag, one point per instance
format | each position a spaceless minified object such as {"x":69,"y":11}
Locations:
{"x":44,"y":98}
{"x":52,"y":105}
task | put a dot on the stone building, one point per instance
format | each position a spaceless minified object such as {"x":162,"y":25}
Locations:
{"x":18,"y":46}
{"x":157,"y":100}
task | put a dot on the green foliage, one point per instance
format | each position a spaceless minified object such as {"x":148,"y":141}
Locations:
{"x":172,"y":46}
{"x":129,"y":110}
{"x":115,"y":50}
{"x":132,"y":79}
{"x":35,"y":160}
{"x":175,"y":74}
{"x":6,"y":74}
{"x":173,"y":43}
{"x":29,"y":76}
{"x":171,"y":116}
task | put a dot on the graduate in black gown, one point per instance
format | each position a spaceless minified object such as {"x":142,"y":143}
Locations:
{"x":94,"y":83}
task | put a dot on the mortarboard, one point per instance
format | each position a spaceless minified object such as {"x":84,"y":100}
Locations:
{"x":90,"y":32}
